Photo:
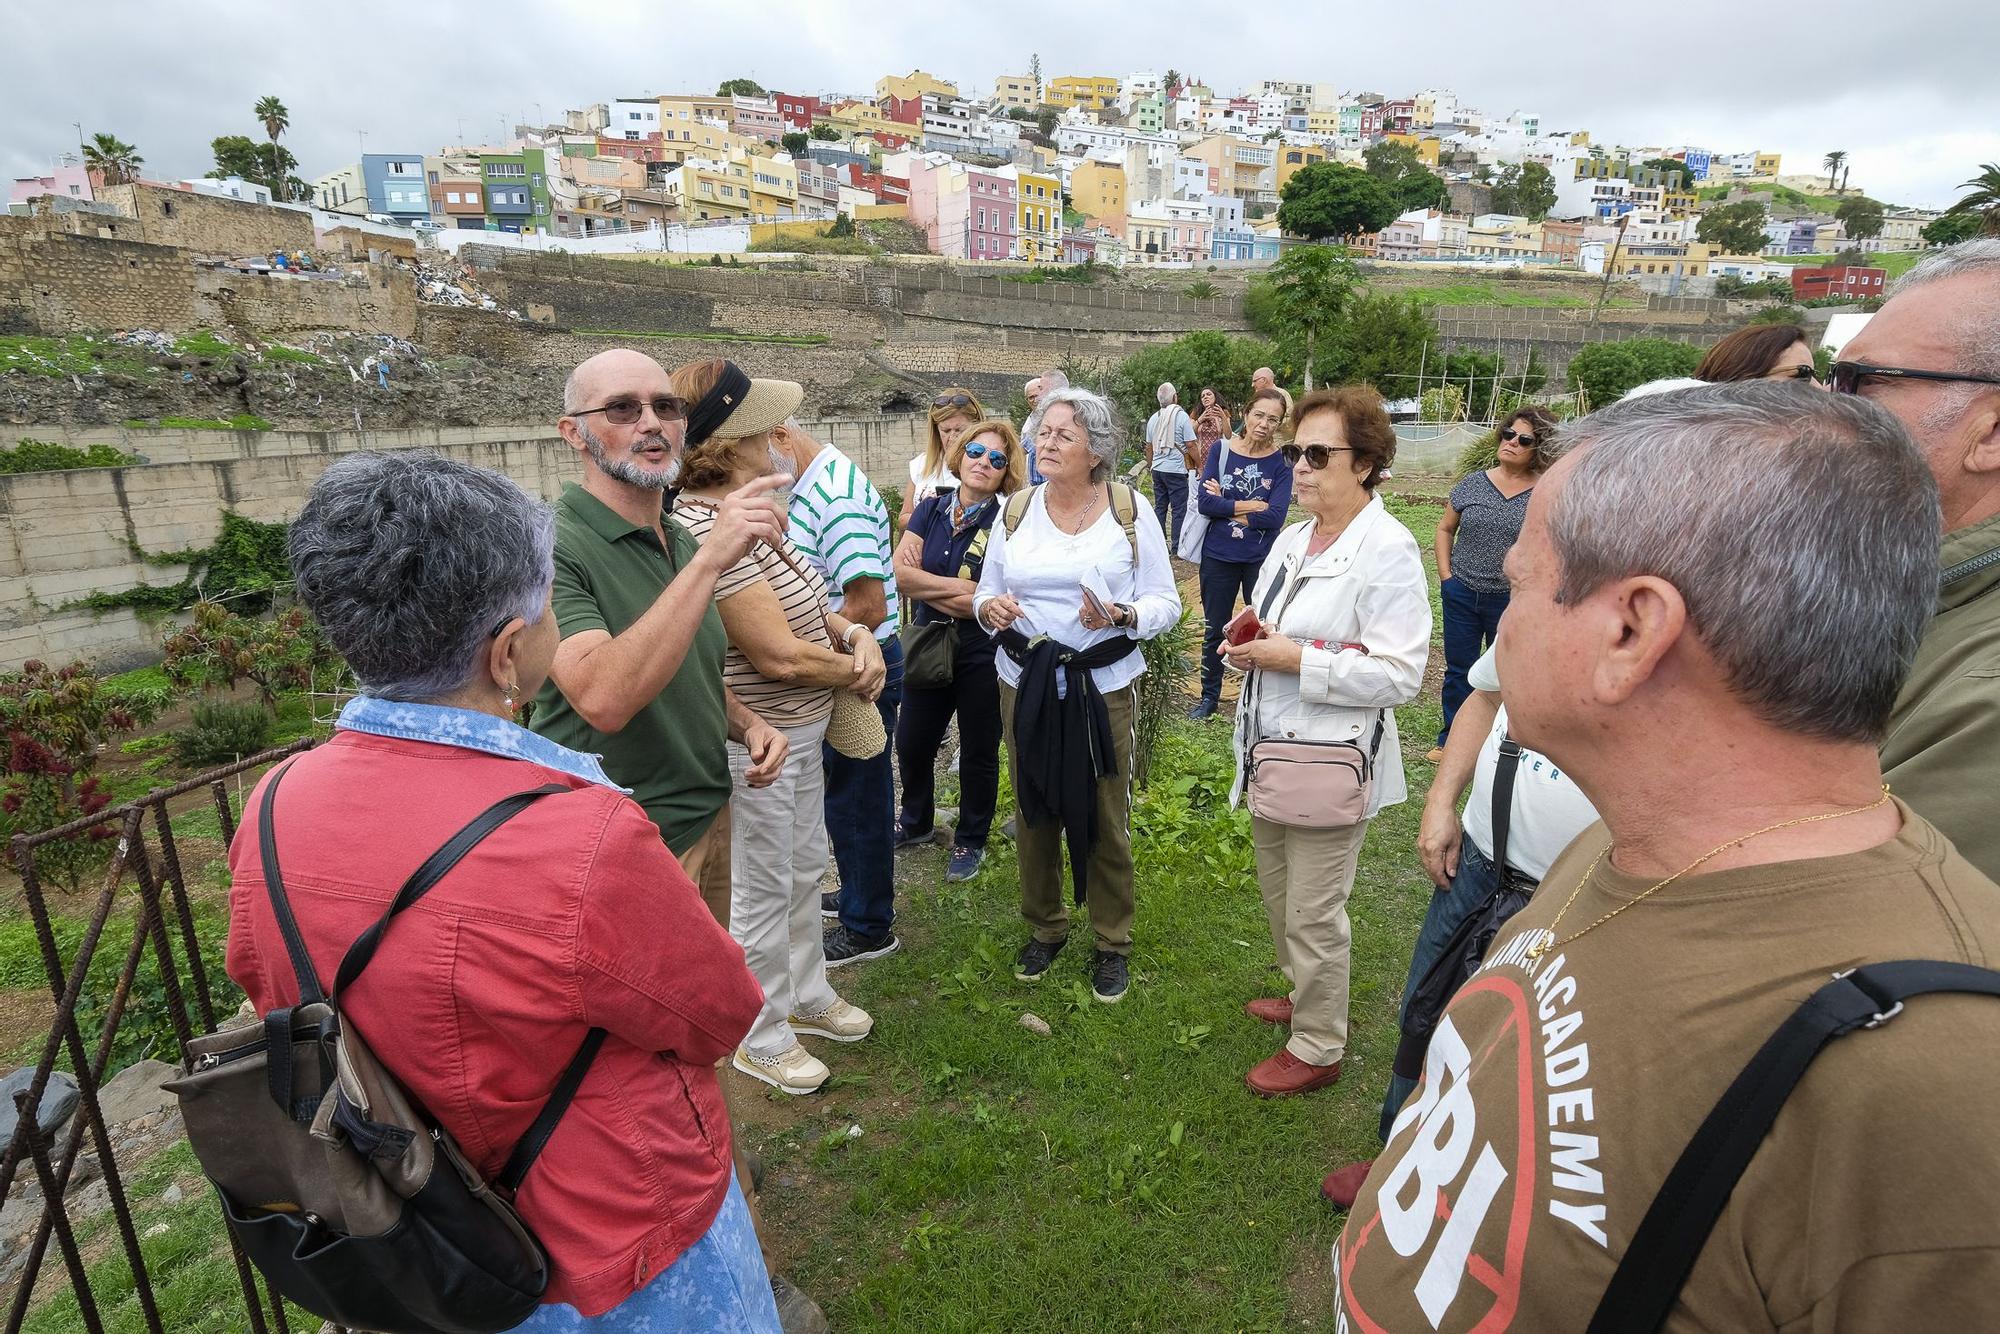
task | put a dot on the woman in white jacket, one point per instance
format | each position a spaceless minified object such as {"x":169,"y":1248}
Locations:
{"x":1346,"y":620}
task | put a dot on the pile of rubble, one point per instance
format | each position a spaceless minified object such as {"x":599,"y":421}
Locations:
{"x":446,"y":282}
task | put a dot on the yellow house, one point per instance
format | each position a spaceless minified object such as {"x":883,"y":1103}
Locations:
{"x":1038,"y":225}
{"x":1293,"y":157}
{"x":681,"y":140}
{"x":852,"y":118}
{"x":683,"y":109}
{"x":912,"y":86}
{"x":1092,"y":92}
{"x":1426,"y":145}
{"x":1767,"y":164}
{"x":1323,"y":122}
{"x":1097,"y":190}
{"x":774,"y":185}
{"x":705,"y":190}
{"x":1017,"y":90}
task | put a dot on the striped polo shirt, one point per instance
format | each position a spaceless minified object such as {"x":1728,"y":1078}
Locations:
{"x":841,"y":525}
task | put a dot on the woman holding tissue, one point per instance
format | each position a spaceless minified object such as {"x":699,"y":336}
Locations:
{"x":1335,"y":637}
{"x":1076,"y":574}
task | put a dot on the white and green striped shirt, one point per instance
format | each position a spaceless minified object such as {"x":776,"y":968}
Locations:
{"x":840,"y":524}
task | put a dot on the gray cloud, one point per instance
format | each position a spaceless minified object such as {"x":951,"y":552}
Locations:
{"x":1916,"y":114}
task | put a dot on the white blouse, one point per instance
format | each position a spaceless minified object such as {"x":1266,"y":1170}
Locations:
{"x":923,"y":486}
{"x":1045,"y":570}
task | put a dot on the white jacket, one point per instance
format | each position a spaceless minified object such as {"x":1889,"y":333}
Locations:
{"x":1367,"y":588}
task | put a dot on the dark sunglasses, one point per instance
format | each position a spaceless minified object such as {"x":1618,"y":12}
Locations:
{"x":505,"y":621}
{"x":1317,"y":455}
{"x":1511,"y":434}
{"x":954,"y":401}
{"x":1848,"y":375}
{"x":625,"y":410}
{"x":1797,"y":373}
{"x":993,"y":454}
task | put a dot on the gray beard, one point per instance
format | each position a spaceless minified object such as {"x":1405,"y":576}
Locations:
{"x":629,"y":470}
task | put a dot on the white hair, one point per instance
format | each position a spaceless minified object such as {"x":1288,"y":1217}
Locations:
{"x":1167,"y":394}
{"x":1978,"y":336}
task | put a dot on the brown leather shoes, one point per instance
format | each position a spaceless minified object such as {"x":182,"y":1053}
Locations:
{"x":1343,"y":1184}
{"x":1285,"y":1074}
{"x":1271,"y":1009}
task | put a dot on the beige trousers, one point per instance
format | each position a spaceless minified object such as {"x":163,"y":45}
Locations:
{"x":1306,"y":876}
{"x":707,"y":864}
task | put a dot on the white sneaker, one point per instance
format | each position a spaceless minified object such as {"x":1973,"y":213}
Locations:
{"x":840,"y":1021}
{"x":793,"y":1070}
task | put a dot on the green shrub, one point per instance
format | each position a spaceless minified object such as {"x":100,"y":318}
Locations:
{"x":1169,"y":657}
{"x":47,"y":456}
{"x":223,"y":731}
{"x":1605,"y":371}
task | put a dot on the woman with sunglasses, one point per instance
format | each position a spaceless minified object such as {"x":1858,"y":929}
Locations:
{"x":1480,"y":523}
{"x":952,"y":411}
{"x":937,"y":568}
{"x":1761,"y":352}
{"x":1345,"y":634}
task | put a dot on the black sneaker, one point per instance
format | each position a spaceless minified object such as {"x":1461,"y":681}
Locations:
{"x":907,"y":837}
{"x":1109,"y":977}
{"x":1035,"y":958}
{"x":965,"y":863}
{"x":844,"y":946}
{"x":1203,"y":711}
{"x":829,"y":905}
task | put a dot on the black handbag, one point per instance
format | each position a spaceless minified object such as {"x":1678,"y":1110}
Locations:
{"x":343,"y":1191}
{"x":930,"y":653}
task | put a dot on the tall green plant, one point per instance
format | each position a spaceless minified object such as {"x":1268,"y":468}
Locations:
{"x":1305,"y":294}
{"x":1169,"y":657}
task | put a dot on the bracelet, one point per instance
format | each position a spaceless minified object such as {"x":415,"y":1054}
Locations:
{"x":848,"y":638}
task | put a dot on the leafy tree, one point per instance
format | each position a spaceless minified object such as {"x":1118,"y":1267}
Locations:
{"x":1402,"y":169}
{"x":1782,"y":313}
{"x":1209,"y":357}
{"x":1535,"y":191}
{"x":276,"y":119}
{"x":1737,"y":228}
{"x":1445,"y":403}
{"x":843,"y":225}
{"x":1474,"y":373}
{"x":1605,"y":371}
{"x":117,"y":161}
{"x":1019,"y":113}
{"x":220,"y":647}
{"x":824,"y":131}
{"x":1863,"y":218}
{"x":1302,"y":297}
{"x":1381,"y":341}
{"x":1950,"y":229}
{"x":268,"y":164}
{"x":1046,"y":120}
{"x":740,"y":88}
{"x":1389,"y":161}
{"x":795,"y":142}
{"x":1832,"y":163}
{"x":1983,"y":201}
{"x":1327,"y":200}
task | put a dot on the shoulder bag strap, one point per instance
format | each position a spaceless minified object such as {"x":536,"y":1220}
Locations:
{"x":433,"y":870}
{"x":1125,"y":506}
{"x":537,"y":1138}
{"x":1676,"y":1227}
{"x":1503,"y":801}
{"x":310,"y":992}
{"x":1016,"y":509}
{"x":1288,"y":585}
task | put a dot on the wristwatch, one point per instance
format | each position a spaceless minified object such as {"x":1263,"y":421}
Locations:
{"x":1123,"y":617}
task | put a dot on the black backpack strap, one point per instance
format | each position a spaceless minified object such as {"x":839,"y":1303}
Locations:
{"x":433,"y":870}
{"x":537,"y":1138}
{"x":1503,"y":801}
{"x":310,"y":992}
{"x":1676,"y":1227}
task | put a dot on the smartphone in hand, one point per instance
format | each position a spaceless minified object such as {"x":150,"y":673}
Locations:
{"x":1243,"y":627}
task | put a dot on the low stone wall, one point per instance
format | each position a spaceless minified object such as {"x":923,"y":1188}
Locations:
{"x":66,"y":535}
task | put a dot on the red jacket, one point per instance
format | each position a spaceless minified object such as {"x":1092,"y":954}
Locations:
{"x":571,"y":915}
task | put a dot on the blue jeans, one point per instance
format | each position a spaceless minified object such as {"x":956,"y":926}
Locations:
{"x":1473,"y":885}
{"x":1471,"y":619}
{"x":1221,"y":582}
{"x":1170,"y":495}
{"x":861,"y":817}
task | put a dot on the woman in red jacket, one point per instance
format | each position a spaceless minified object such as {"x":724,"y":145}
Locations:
{"x":432,"y":578}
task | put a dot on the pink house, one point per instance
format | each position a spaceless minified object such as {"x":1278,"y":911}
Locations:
{"x":69,"y":182}
{"x":967,"y":212}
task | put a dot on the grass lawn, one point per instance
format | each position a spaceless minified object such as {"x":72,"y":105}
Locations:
{"x":1117,"y":1173}
{"x":1492,"y":294}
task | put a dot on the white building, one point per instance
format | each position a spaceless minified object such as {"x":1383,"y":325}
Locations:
{"x":342,"y":191}
{"x":1435,"y":106}
{"x":235,"y":187}
{"x":1137,"y":87}
{"x":634,"y":118}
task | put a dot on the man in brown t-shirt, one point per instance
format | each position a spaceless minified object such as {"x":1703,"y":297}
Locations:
{"x":1715,"y":670}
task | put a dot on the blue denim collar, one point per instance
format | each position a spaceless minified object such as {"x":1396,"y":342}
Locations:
{"x":443,"y":725}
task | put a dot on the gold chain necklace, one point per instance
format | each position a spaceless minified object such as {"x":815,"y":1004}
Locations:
{"x":1542,"y":947}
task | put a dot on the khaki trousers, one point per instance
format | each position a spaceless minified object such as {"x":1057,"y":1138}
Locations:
{"x":707,"y":864}
{"x":1306,"y":876}
{"x":1045,"y":895}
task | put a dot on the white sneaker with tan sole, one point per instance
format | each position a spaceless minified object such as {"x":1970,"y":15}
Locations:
{"x":793,"y":1070}
{"x":839,"y":1021}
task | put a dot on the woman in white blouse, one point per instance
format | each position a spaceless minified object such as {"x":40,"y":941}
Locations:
{"x":1076,"y":574}
{"x":1346,"y":619}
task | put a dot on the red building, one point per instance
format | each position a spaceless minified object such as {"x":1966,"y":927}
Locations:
{"x":903,"y":110}
{"x":1838,"y":280}
{"x":635,"y":150}
{"x":797,"y":110}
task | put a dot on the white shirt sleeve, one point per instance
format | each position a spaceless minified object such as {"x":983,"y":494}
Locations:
{"x":1156,"y":602}
{"x":1485,"y":674}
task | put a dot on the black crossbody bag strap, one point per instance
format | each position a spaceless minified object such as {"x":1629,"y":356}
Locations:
{"x":1503,"y":803}
{"x":310,"y":992}
{"x":531,"y":1144}
{"x":1676,"y":1227}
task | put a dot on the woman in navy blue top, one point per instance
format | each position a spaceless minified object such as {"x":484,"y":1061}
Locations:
{"x":1245,"y":490}
{"x":937,"y":568}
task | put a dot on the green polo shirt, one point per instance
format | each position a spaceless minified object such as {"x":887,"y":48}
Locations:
{"x":609,"y":573}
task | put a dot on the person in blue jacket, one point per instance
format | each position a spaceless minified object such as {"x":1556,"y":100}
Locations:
{"x":1245,"y":490}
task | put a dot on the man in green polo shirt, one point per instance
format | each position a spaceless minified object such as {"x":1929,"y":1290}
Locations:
{"x":638,"y":675}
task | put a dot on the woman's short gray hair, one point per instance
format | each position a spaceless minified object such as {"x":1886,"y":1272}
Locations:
{"x":1098,"y":419}
{"x":408,"y":560}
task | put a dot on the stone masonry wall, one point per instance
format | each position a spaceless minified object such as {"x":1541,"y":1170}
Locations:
{"x":206,"y":224}
{"x":54,"y":283}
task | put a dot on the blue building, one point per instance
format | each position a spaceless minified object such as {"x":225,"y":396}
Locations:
{"x":1698,"y":162}
{"x":395,"y":184}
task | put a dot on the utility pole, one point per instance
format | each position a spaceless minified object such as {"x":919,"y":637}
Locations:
{"x":1610,"y":264}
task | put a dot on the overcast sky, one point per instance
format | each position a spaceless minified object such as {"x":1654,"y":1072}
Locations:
{"x":1908,"y":90}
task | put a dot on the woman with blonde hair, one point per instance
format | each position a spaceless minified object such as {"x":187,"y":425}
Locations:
{"x":788,"y":654}
{"x":937,"y":567}
{"x":953,"y":412}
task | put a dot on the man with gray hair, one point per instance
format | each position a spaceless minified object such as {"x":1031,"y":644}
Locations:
{"x":1931,"y":356}
{"x":1169,"y":436}
{"x":1716,"y":675}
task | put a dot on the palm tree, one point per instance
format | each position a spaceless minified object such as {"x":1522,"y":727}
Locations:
{"x":1832,"y":163}
{"x":1983,"y":202}
{"x":276,"y":121}
{"x":117,"y":161}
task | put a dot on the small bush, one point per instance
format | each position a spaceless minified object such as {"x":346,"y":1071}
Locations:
{"x":1169,"y":656}
{"x":1202,"y":290}
{"x":46,"y":456}
{"x":222,"y":732}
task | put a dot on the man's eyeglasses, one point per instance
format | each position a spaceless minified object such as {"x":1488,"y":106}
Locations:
{"x":993,"y":454}
{"x":1317,"y":455}
{"x":1795,"y":373}
{"x":1511,"y":434}
{"x":1848,"y":375}
{"x":953,"y":401}
{"x":625,"y":410}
